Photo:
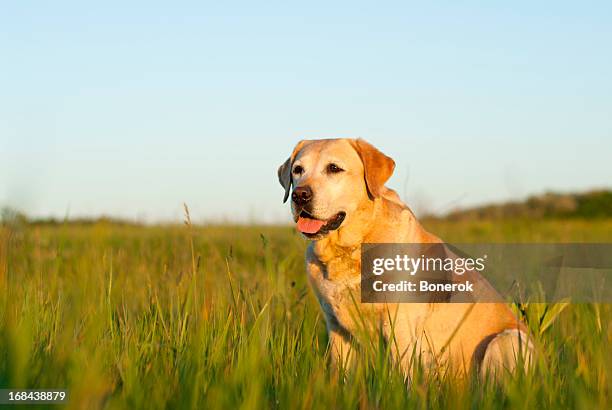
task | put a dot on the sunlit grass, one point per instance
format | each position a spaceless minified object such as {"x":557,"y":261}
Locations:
{"x":134,"y":317}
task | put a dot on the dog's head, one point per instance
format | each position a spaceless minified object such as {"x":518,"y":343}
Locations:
{"x":330,"y":180}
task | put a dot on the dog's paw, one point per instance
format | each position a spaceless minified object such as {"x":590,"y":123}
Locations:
{"x":507,"y":351}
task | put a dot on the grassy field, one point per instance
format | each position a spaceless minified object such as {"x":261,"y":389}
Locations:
{"x":222,"y":317}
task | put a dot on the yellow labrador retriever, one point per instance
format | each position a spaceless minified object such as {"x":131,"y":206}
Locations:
{"x":339,"y":201}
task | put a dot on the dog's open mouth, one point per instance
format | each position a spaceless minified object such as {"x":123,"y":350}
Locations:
{"x":311,"y":226}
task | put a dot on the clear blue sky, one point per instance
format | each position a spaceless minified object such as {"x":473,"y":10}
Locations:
{"x":132,"y":108}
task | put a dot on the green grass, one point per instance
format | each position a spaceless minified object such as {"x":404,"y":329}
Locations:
{"x":132,"y":317}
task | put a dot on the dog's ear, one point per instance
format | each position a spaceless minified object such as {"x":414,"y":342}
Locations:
{"x":377,"y":167}
{"x":284,"y":171}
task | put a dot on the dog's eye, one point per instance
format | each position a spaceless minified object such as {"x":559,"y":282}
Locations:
{"x":334,"y":169}
{"x":298,"y":169}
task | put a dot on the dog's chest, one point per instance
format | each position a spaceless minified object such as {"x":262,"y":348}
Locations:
{"x":337,"y":284}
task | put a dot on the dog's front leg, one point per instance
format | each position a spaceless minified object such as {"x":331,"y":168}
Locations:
{"x":340,"y":347}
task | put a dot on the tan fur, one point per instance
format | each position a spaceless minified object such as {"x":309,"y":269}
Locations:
{"x":451,"y":335}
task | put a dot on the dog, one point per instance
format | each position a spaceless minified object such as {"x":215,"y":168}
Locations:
{"x":339,"y":201}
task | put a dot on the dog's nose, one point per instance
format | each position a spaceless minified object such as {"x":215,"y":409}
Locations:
{"x":301,"y":195}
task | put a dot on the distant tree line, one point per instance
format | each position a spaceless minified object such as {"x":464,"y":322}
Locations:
{"x":589,"y":205}
{"x":13,"y":217}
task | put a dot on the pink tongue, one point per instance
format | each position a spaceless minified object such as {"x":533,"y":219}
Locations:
{"x":308,"y":225}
